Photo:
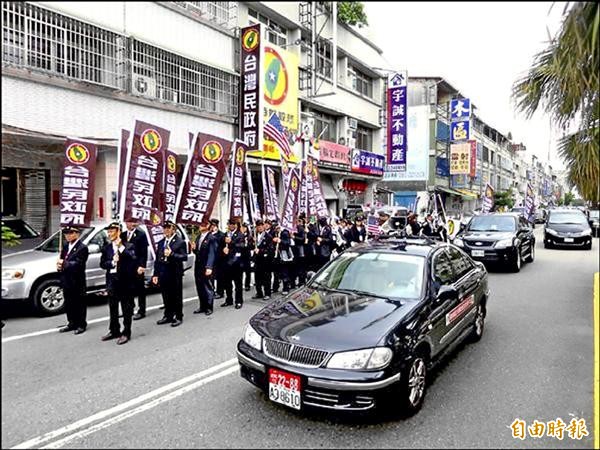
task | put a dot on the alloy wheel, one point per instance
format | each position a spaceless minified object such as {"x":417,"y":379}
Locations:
{"x":479,"y":320}
{"x":416,"y":381}
{"x":52,"y":298}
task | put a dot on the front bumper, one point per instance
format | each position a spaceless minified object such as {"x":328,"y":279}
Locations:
{"x":580,"y":241}
{"x":321,"y":387}
{"x":491,"y":254}
{"x":15,"y":290}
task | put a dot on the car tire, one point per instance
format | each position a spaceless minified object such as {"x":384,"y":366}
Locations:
{"x":531,"y":256}
{"x":547,"y":245}
{"x":588,"y":247}
{"x":479,"y":324}
{"x":413,"y":385}
{"x":517,"y":261}
{"x":48,"y":298}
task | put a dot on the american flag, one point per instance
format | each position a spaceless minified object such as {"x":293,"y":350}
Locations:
{"x":373,"y":225}
{"x":275,"y":131}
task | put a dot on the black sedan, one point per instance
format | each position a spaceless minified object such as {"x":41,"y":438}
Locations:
{"x":367,"y":328}
{"x":502,"y":238}
{"x":567,"y":228}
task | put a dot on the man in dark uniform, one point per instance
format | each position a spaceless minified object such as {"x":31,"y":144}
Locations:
{"x":282,"y":263}
{"x":121,"y":265}
{"x":358,"y":232}
{"x":168,"y":274}
{"x":311,"y":247}
{"x":299,"y":250}
{"x":247,"y":255}
{"x":205,"y":249}
{"x":272,"y":227}
{"x":136,"y":236}
{"x":219,"y":275}
{"x":234,"y":244}
{"x":71,"y":265}
{"x":263,"y":254}
{"x":324,"y":241}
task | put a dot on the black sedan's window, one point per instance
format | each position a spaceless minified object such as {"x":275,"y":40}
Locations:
{"x":442,"y":269}
{"x":460,"y":262}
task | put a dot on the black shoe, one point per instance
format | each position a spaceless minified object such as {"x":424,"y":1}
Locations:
{"x":176,"y":322}
{"x":208,"y":312}
{"x":163,"y":321}
{"x":267,"y":297}
{"x":122,"y":340}
{"x":79,"y":331}
{"x":65,"y":329}
{"x":109,"y":336}
{"x":219,"y":296}
{"x":223,"y":305}
{"x":257,"y":297}
{"x":138,"y":316}
{"x":238,"y":305}
{"x":199,"y":311}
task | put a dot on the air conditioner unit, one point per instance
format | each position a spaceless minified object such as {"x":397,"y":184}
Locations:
{"x":352,"y":123}
{"x":143,"y":85}
{"x":168,"y":95}
{"x":351,"y":142}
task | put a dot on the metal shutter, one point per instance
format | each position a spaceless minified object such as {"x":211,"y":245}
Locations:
{"x":35,"y":207}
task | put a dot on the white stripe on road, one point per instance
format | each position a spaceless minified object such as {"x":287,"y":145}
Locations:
{"x":35,"y":442}
{"x":139,"y":409}
{"x":55,"y":330}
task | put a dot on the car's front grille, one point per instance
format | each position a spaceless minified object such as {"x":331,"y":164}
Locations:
{"x":298,"y":355}
{"x":479,"y":243}
{"x":338,"y":400}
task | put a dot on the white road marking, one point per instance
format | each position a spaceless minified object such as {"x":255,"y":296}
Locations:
{"x":35,"y":442}
{"x":55,"y":330}
{"x":107,"y":423}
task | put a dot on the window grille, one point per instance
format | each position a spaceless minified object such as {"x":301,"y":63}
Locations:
{"x":327,"y":123}
{"x":223,"y":14}
{"x":43,"y":40}
{"x":360,"y":83}
{"x":364,"y":138}
{"x":163,"y":75}
{"x":276,"y":33}
{"x":324,"y":59}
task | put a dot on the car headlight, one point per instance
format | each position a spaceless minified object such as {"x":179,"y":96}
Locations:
{"x":595,"y":223}
{"x":586,"y":232}
{"x":252,"y":338}
{"x":503,"y":243}
{"x":458,"y":242}
{"x":368,"y":358}
{"x":551,"y":231}
{"x":13,"y":274}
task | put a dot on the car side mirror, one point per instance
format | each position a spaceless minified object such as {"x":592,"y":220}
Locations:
{"x":94,"y":248}
{"x":446,"y":292}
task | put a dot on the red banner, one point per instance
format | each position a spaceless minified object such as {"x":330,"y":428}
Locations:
{"x":77,"y":194}
{"x":144,"y":172}
{"x":320,"y":203}
{"x":155,"y":229}
{"x":170,"y":198}
{"x":334,"y":154}
{"x":289,"y":214}
{"x":121,"y":163}
{"x":473,"y":162}
{"x":201,"y":179}
{"x":238,"y":163}
{"x":251,"y":112}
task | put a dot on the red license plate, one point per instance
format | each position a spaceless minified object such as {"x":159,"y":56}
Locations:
{"x":284,"y":388}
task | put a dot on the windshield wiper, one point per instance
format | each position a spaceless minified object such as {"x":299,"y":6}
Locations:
{"x":359,"y":292}
{"x":321,"y":285}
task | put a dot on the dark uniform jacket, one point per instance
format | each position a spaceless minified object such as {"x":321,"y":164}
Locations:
{"x":326,"y":235}
{"x":356,"y":234}
{"x":284,"y":250}
{"x":311,"y":247}
{"x":206,"y":252}
{"x":299,"y":247}
{"x":266,"y":248}
{"x":123,"y":279}
{"x":234,"y":257}
{"x":140,"y":246}
{"x":168,"y":268}
{"x":73,"y":270}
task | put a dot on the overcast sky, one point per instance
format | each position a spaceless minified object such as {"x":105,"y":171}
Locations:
{"x":480,"y":48}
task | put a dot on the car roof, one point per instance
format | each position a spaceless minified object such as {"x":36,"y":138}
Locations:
{"x":411,"y":246}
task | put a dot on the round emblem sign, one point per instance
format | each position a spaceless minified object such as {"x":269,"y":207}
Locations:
{"x":250,"y":40}
{"x":212,"y":152}
{"x":155,"y":218}
{"x":78,"y":154}
{"x":171,"y":164}
{"x":294,"y":184}
{"x":151,"y":141}
{"x":239,"y":156}
{"x":276,"y":77}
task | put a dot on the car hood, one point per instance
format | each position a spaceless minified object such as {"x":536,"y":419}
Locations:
{"x":567,"y":227}
{"x":329,"y":320}
{"x":26,"y":244}
{"x":488,"y":235}
{"x":26,"y":257}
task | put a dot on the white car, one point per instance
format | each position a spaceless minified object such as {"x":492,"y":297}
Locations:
{"x":31,"y":275}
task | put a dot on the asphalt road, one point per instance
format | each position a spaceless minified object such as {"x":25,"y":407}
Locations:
{"x":162,"y":389}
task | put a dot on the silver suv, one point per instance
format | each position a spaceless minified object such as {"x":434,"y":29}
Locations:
{"x":31,"y":275}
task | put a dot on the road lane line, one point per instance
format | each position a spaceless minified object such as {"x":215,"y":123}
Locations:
{"x":35,"y":442}
{"x":165,"y":398}
{"x":597,"y":360}
{"x":55,"y":329}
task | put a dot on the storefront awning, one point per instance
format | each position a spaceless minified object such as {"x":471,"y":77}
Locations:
{"x":467,"y":194}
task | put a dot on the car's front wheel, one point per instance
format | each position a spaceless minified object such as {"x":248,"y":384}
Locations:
{"x":517,"y":260}
{"x":48,"y":298}
{"x":531,"y":256}
{"x":413,"y":385}
{"x":479,"y":324}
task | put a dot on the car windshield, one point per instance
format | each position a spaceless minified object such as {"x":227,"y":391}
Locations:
{"x":21,"y":229}
{"x":519,"y":210}
{"x":493,"y":223}
{"x":380,"y":274}
{"x":52,"y":243}
{"x":563,"y":218}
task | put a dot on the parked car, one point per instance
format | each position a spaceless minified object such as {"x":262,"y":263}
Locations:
{"x":540,"y":215}
{"x":503,"y":238}
{"x":31,"y":275}
{"x":28,"y":237}
{"x":594,"y":221}
{"x":367,"y":328}
{"x":567,"y":228}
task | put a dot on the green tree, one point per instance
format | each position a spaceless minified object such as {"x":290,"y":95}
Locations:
{"x":9,"y":238}
{"x":352,"y":13}
{"x":564,"y":82}
{"x":503,"y":199}
{"x":568,"y":198}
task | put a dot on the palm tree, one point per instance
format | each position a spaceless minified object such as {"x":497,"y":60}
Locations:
{"x":563,"y":80}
